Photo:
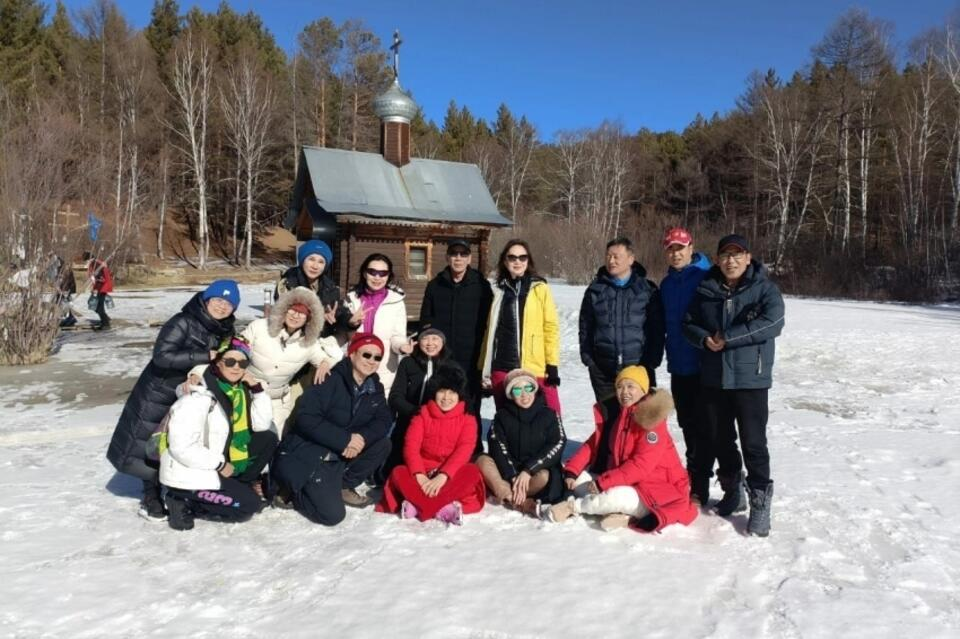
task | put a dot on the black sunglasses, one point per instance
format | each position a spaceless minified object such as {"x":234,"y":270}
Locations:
{"x":369,"y":355}
{"x":231,"y":362}
{"x":517,"y":258}
{"x":372,"y":272}
{"x":458,"y":253}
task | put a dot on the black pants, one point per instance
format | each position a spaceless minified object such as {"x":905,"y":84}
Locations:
{"x":320,"y":500}
{"x":728,"y":411}
{"x":102,"y":310}
{"x":686,"y":398}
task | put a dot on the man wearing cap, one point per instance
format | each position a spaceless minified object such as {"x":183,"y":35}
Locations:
{"x":314,"y":259}
{"x":685,"y":270}
{"x":339,"y":437}
{"x":621,"y":320}
{"x":734,"y":317}
{"x":457,"y":302}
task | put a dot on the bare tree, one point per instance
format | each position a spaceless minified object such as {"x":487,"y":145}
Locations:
{"x":518,"y":138}
{"x":568,"y":151}
{"x":192,"y":72}
{"x":948,"y":57}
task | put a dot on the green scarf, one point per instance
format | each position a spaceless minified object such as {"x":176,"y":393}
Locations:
{"x":239,"y":424}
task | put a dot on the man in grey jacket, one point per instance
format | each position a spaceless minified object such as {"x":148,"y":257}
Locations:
{"x":736,"y":314}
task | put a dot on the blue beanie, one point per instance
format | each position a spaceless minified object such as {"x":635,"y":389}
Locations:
{"x":314,"y":247}
{"x":224,"y":289}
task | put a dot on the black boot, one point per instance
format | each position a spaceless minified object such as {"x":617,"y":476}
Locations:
{"x":734,"y":499}
{"x":179,"y":515}
{"x":699,"y":490}
{"x":151,"y":505}
{"x":760,"y":502}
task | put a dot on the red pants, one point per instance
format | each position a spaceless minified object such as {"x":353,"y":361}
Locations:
{"x":466,"y":486}
{"x":550,"y":394}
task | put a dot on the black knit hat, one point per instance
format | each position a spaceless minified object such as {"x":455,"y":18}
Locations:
{"x":448,"y":376}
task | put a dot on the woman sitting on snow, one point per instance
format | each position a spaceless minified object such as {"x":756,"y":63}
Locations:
{"x":525,"y":441}
{"x":629,"y":471}
{"x":437,"y":480}
{"x":219,"y":441}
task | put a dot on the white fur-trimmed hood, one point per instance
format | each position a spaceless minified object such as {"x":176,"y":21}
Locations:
{"x":301,"y":295}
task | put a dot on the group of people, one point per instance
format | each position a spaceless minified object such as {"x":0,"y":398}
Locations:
{"x":329,"y":394}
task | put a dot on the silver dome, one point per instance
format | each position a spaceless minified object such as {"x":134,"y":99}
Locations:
{"x":394,"y":104}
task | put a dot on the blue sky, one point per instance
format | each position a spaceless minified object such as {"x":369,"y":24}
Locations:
{"x":573,"y":63}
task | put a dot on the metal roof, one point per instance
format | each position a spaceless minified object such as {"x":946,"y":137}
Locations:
{"x":423,"y":190}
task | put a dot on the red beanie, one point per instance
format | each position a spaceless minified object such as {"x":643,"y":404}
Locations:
{"x":360,"y":340}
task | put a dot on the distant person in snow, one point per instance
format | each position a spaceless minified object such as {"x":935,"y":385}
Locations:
{"x":314,"y":258}
{"x":523,"y":329}
{"x":628,"y":472}
{"x":187,"y":339}
{"x":338,"y":438}
{"x":101,"y":285}
{"x":685,"y":270}
{"x":736,"y":314}
{"x":219,"y":440}
{"x":525,"y":443}
{"x":621,"y":320}
{"x":437,"y":480}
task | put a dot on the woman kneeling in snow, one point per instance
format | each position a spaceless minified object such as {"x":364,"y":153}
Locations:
{"x":629,"y":471}
{"x":526,"y":442}
{"x":219,"y":440}
{"x":437,"y":479}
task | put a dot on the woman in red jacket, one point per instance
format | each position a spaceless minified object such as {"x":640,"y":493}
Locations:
{"x":101,"y":285}
{"x":629,"y":471}
{"x":437,"y":480}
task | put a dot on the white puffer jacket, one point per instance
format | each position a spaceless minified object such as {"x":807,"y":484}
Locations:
{"x":276,"y":356}
{"x":390,"y":325}
{"x":197,"y":434}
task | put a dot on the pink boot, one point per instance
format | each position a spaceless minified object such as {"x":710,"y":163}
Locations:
{"x":408,"y":510}
{"x":452,"y":513}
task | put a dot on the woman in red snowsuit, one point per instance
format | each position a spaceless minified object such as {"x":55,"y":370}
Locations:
{"x":437,"y":480}
{"x":629,"y":471}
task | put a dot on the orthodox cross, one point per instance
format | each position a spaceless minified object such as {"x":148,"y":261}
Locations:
{"x":395,"y":47}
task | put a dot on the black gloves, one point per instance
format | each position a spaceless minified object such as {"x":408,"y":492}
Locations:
{"x":553,"y":376}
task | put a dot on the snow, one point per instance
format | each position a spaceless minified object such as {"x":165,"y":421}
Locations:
{"x":865,"y":441}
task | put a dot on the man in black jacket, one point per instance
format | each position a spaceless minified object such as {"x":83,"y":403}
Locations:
{"x":339,"y":438}
{"x":621,"y":320}
{"x":457,"y":302}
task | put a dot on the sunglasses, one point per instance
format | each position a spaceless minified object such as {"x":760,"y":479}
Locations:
{"x":517,"y":391}
{"x":368,"y":355}
{"x":231,"y":362}
{"x":458,"y":254}
{"x":372,"y":272}
{"x":517,"y":258}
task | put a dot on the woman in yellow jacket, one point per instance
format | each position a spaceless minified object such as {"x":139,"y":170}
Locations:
{"x":522,"y":330}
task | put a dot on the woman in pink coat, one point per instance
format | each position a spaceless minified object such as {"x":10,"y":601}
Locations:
{"x":437,"y":480}
{"x":629,"y":472}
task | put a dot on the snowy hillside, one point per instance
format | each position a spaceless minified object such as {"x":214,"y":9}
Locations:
{"x":865,"y":443}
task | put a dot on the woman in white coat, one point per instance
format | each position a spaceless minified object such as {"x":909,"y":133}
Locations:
{"x":219,"y":439}
{"x":283,"y":344}
{"x":378,"y":307}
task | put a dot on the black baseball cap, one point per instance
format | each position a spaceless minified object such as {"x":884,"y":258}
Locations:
{"x":733,"y":240}
{"x":458,"y":243}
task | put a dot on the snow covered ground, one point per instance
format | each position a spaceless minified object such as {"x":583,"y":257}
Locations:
{"x":865,"y":441}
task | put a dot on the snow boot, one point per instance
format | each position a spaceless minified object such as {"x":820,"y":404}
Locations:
{"x":179,"y":517}
{"x":352,"y":498}
{"x":760,"y":501}
{"x":151,"y":504}
{"x":559,"y":513}
{"x":699,"y":490}
{"x":734,"y":498}
{"x":452,"y":513}
{"x":408,"y":510}
{"x":614,"y":521}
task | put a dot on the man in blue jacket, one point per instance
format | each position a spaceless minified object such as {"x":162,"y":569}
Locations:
{"x":621,"y":320}
{"x":735,"y":316}
{"x":339,"y":437}
{"x":685,"y":270}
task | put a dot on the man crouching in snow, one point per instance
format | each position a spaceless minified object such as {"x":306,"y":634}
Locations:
{"x":629,"y":471}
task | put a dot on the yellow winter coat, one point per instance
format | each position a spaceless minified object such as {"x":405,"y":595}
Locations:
{"x":540,"y":342}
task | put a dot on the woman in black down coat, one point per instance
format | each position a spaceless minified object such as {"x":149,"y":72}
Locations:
{"x":407,"y":392}
{"x":187,"y":339}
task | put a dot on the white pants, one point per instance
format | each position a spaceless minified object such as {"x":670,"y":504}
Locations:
{"x":619,"y":499}
{"x":282,"y":407}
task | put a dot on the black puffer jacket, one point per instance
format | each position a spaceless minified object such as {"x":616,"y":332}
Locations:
{"x":528,"y":439}
{"x":460,"y":310}
{"x":622,"y":325}
{"x":749,"y":317}
{"x":325,"y":288}
{"x":185,"y":340}
{"x":509,"y":328}
{"x":327,"y":415}
{"x":405,"y":394}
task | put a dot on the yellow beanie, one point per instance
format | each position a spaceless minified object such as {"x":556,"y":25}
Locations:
{"x":637,"y":374}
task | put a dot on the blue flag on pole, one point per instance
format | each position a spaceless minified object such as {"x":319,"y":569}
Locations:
{"x":94,"y":223}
